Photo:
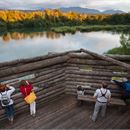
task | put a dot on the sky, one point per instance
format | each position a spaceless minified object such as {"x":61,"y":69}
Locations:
{"x":93,"y":4}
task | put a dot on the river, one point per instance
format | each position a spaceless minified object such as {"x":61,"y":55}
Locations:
{"x":25,"y":45}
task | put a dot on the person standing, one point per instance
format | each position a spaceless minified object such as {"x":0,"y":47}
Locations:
{"x":26,"y":88}
{"x":103,"y":97}
{"x":6,"y":101}
{"x":124,"y":84}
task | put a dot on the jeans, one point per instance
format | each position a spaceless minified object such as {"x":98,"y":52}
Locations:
{"x":97,"y":108}
{"x":9,"y":111}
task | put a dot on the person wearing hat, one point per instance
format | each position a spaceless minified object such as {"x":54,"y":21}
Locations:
{"x":6,"y":101}
{"x":124,"y":84}
{"x":103,"y":97}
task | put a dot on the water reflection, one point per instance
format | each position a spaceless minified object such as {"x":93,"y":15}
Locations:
{"x":25,"y":45}
{"x":22,"y":35}
{"x":124,"y":48}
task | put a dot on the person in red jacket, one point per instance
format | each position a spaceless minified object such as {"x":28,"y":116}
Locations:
{"x":26,"y":88}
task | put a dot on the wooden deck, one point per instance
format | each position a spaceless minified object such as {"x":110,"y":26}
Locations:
{"x":64,"y":113}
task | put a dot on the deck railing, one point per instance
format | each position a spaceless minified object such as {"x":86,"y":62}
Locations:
{"x":59,"y":73}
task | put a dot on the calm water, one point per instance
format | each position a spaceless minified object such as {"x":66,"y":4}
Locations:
{"x":22,"y":45}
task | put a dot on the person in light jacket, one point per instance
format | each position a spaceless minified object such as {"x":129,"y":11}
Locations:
{"x":103,"y":97}
{"x":6,"y":101}
{"x":26,"y":88}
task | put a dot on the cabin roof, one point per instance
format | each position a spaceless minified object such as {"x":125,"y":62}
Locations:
{"x":64,"y":113}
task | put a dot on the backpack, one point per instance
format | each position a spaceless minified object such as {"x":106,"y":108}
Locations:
{"x":127,"y":86}
{"x":103,"y":94}
{"x":4,"y":99}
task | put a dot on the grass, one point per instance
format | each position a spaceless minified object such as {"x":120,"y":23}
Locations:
{"x":119,"y":50}
{"x":88,"y":28}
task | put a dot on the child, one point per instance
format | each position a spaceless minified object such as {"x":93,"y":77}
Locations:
{"x":80,"y":90}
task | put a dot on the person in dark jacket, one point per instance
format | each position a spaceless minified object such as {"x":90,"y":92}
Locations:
{"x":125,"y":86}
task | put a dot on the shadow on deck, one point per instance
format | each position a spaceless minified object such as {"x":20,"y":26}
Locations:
{"x":64,"y":113}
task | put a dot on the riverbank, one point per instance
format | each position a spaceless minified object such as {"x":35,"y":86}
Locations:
{"x":119,"y":50}
{"x":72,"y":29}
{"x":89,"y":28}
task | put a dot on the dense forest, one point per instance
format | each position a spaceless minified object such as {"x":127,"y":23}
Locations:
{"x":55,"y":18}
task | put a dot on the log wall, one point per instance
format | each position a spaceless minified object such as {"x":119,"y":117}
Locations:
{"x":56,"y":74}
{"x":86,"y":70}
{"x":48,"y":78}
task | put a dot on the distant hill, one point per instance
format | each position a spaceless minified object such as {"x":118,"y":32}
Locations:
{"x":90,"y":11}
{"x":113,"y":12}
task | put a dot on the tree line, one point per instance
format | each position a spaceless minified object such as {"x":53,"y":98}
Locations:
{"x":53,"y":18}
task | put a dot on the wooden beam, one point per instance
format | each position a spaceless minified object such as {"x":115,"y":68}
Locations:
{"x":103,"y":57}
{"x":33,"y":66}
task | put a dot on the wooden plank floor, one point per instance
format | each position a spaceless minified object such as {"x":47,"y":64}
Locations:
{"x":64,"y":113}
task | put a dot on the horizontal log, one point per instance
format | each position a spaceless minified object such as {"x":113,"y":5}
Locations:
{"x":119,"y":57}
{"x":88,"y":80}
{"x":96,"y":85}
{"x":103,"y":57}
{"x":33,"y":66}
{"x":87,"y":77}
{"x":89,"y":62}
{"x":80,"y":56}
{"x":37,"y":72}
{"x":50,"y":75}
{"x":50,"y":81}
{"x":112,"y":67}
{"x":46,"y":84}
{"x":98,"y":73}
{"x":72,"y":68}
{"x":35,"y":59}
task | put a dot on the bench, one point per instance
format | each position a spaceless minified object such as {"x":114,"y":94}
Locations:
{"x":91,"y":99}
{"x":88,"y":96}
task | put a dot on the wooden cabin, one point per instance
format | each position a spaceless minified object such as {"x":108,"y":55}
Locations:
{"x":55,"y":78}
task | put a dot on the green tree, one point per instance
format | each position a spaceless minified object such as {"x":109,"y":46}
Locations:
{"x":123,"y":40}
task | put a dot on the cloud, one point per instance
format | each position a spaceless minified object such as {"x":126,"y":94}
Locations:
{"x":96,"y":4}
{"x":109,"y":4}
